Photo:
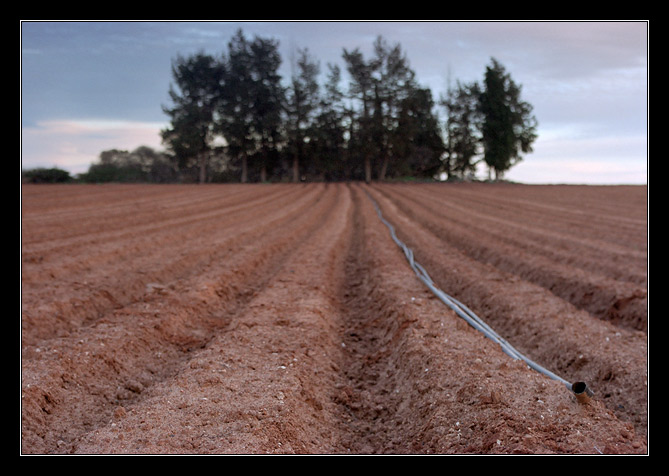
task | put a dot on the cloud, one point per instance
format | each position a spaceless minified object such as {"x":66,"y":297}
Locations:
{"x":580,"y":171}
{"x":576,"y":154}
{"x":584,"y":79}
{"x":75,"y":144}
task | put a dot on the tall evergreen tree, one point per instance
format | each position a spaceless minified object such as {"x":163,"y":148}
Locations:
{"x":378,"y":86}
{"x":302,"y":103}
{"x":328,"y":141}
{"x":417,"y":142}
{"x":394,"y":86}
{"x":387,"y":127}
{"x":362,"y":91}
{"x":463,"y":123}
{"x":191,"y":132}
{"x":267,"y":99}
{"x":250,"y":103}
{"x":235,"y":112}
{"x":508,"y":127}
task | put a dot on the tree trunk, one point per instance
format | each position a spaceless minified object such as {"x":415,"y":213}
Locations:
{"x":296,"y":169}
{"x":384,"y":169}
{"x":263,"y":174}
{"x":203,"y":168}
{"x":244,"y":169}
{"x":368,"y":170}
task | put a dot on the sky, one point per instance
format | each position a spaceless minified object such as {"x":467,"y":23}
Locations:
{"x":92,"y":86}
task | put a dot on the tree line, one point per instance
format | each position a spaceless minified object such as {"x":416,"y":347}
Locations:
{"x":382,"y":125}
{"x":233,"y":117}
{"x":142,"y":165}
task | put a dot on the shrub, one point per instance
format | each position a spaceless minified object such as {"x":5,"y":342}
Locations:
{"x":44,"y":175}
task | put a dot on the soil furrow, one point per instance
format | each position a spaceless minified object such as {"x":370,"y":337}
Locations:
{"x":73,"y":384}
{"x":98,"y":285}
{"x":264,"y":384}
{"x":98,"y":209}
{"x":545,"y":328}
{"x":596,"y":211}
{"x":623,"y":303}
{"x":420,"y":380}
{"x":283,"y":319}
{"x":98,"y":231}
{"x":537,"y":235}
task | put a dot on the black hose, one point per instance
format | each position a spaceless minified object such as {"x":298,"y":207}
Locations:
{"x":580,"y":389}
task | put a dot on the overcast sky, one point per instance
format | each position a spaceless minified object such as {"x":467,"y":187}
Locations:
{"x":93,"y":86}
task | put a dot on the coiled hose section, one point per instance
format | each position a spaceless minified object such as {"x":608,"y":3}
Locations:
{"x":580,"y":389}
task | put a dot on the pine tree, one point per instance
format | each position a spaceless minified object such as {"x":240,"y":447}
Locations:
{"x":508,"y":127}
{"x":361,"y":91}
{"x":251,"y":102}
{"x":328,"y":144}
{"x":235,"y":113}
{"x":378,"y":86}
{"x":302,"y":103}
{"x":463,"y":123}
{"x":267,"y":100}
{"x":417,"y":142}
{"x":191,"y":132}
{"x":395,"y":86}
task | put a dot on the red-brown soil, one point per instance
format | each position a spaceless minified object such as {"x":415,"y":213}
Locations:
{"x":254,"y":319}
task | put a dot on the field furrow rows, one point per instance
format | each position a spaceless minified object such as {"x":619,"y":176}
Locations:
{"x":131,"y":346}
{"x":64,"y":284}
{"x":252,"y":319}
{"x":541,"y":325}
{"x":596,"y":216}
{"x":539,"y":234}
{"x":586,"y":277}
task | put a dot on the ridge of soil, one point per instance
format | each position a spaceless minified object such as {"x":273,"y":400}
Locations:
{"x":283,"y":319}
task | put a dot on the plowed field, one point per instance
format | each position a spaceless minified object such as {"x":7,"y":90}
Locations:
{"x":254,"y":319}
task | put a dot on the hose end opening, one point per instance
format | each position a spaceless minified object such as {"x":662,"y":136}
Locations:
{"x":581,"y":392}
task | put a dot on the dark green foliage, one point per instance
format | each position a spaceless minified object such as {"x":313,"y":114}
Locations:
{"x":301,"y":107}
{"x":267,"y":98}
{"x":233,"y":118}
{"x":463,"y":122}
{"x":46,"y":175}
{"x":327,"y":146}
{"x":103,"y":173}
{"x":362,"y":151}
{"x":508,"y":128}
{"x":191,"y":134}
{"x":250,"y":104}
{"x":417,"y":144}
{"x":235,"y":112}
{"x":139,"y":166}
{"x":395,"y":131}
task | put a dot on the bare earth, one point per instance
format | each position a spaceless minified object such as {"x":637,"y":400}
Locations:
{"x":255,"y":319}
